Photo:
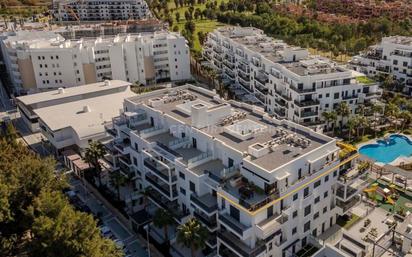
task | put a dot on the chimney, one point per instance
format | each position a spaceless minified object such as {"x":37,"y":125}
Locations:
{"x":107,"y":82}
{"x":60,"y":90}
{"x":86,"y":109}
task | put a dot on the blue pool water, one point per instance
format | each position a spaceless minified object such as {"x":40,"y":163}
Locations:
{"x":386,"y":152}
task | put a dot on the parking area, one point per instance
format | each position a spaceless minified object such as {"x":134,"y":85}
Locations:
{"x":109,"y":224}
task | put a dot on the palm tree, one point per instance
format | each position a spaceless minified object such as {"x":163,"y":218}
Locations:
{"x":192,"y":235}
{"x":393,"y":111}
{"x":330,"y":117}
{"x":93,"y":153}
{"x":343,"y":111}
{"x":406,"y":117}
{"x":163,"y":219}
{"x":376,"y":109}
{"x":145,"y":195}
{"x":352,"y":123}
{"x":117,"y":180}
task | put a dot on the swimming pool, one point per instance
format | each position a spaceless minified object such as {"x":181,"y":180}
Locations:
{"x":387,"y":151}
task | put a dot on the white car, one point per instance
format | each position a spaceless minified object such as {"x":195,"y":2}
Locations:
{"x":71,"y":194}
{"x":105,"y":230}
{"x":119,"y":243}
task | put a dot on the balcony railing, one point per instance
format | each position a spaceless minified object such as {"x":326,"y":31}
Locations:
{"x":233,"y":223}
{"x":163,"y":173}
{"x":240,"y":247}
{"x":208,"y":208}
{"x":305,"y":103}
{"x":163,"y":188}
{"x":208,"y":221}
{"x":302,"y":90}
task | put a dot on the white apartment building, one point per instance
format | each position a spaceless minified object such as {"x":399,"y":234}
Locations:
{"x":100,"y":10}
{"x":392,"y":56}
{"x":261,"y":186}
{"x":42,"y":60}
{"x":286,"y":80}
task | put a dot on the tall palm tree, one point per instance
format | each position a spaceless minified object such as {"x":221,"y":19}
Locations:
{"x":363,"y":123}
{"x":117,"y":180}
{"x":352,"y":123}
{"x":192,"y":235}
{"x":93,"y":153}
{"x":392,"y":111}
{"x":376,"y":109}
{"x":145,"y":195}
{"x":406,"y":117}
{"x":330,"y":117}
{"x":343,"y":111}
{"x":163,"y":219}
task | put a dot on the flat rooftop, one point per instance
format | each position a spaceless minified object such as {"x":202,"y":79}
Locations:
{"x":71,"y":92}
{"x":264,"y":131}
{"x":85,"y":116}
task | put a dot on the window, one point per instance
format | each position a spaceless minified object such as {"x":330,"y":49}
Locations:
{"x":325,"y":195}
{"x":327,"y":95}
{"x":320,"y":96}
{"x":336,"y":96}
{"x":294,"y":230}
{"x":269,"y":212}
{"x":316,"y":215}
{"x":325,"y":209}
{"x":182,"y":191}
{"x":317,"y":199}
{"x":395,"y":62}
{"x":295,"y":214}
{"x":307,"y":210}
{"x":192,"y":186}
{"x":306,"y":192}
{"x":295,"y":197}
{"x":335,"y":173}
{"x":182,"y":176}
{"x":326,"y":178}
{"x":306,"y":227}
{"x":317,"y":183}
{"x":135,"y":161}
{"x":405,"y":64}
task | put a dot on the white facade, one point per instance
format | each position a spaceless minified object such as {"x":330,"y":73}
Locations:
{"x":392,"y":56}
{"x":100,"y":10}
{"x":288,"y":81}
{"x":70,"y":118}
{"x":261,"y":186}
{"x":39,"y":61}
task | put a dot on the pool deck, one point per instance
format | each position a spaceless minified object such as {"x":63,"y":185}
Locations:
{"x":398,"y":161}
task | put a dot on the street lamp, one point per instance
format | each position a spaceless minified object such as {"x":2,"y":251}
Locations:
{"x":147,"y":227}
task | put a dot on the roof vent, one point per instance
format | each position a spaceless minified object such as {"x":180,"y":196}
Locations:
{"x":86,"y":109}
{"x":107,"y":82}
{"x":60,"y":90}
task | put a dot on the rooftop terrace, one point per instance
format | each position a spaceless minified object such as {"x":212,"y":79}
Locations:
{"x":244,"y":126}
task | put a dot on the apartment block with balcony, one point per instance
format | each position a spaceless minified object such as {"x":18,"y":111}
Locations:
{"x":260,"y":185}
{"x":286,"y":80}
{"x":393,"y":55}
{"x":100,"y":10}
{"x":40,"y":61}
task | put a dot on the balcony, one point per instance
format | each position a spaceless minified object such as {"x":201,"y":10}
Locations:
{"x":171,"y":206}
{"x":262,"y":79}
{"x":161,"y":187}
{"x":306,"y":114}
{"x":122,"y":145}
{"x":302,"y":90}
{"x":207,"y":202}
{"x":306,"y":103}
{"x":159,"y":170}
{"x":244,"y":68}
{"x":280,"y":112}
{"x":245,"y":78}
{"x":239,"y":246}
{"x":209,"y":222}
{"x":346,"y":206}
{"x":228,"y":64}
{"x":269,"y":226}
{"x":233,"y":224}
{"x":281,"y":102}
{"x":348,"y":97}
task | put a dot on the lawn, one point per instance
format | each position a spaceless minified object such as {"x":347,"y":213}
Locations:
{"x":342,"y":58}
{"x":205,"y":25}
{"x":365,"y":80}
